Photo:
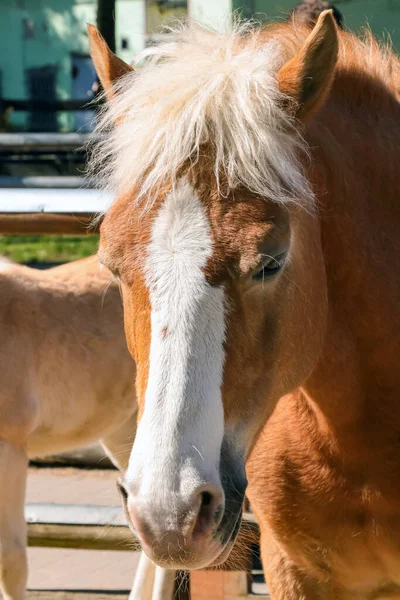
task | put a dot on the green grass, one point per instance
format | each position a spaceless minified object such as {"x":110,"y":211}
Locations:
{"x":47,"y":248}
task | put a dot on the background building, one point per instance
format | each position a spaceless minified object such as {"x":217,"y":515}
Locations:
{"x":44,"y":53}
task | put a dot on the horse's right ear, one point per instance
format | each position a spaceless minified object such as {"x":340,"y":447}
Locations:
{"x":307,"y":77}
{"x":108,"y":66}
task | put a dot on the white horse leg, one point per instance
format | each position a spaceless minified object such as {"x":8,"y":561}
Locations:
{"x":143,"y":583}
{"x":151,"y":582}
{"x":13,"y":561}
{"x":118,"y":445}
{"x":164,"y":582}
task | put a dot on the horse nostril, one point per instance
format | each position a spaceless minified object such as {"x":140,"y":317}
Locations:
{"x":210,"y":512}
{"x":206,"y":498}
{"x":124,"y":499}
{"x":122,"y":492}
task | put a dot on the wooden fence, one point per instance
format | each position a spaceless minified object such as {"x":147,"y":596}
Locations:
{"x":48,"y":204}
{"x":89,"y":527}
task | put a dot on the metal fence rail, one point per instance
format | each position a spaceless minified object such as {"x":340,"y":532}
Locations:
{"x":47,"y":181}
{"x":42,"y":142}
{"x":59,"y":201}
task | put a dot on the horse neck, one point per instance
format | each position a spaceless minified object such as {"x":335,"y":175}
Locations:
{"x":356,"y":383}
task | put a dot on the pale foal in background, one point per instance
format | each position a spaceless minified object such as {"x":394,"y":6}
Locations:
{"x":66,"y":380}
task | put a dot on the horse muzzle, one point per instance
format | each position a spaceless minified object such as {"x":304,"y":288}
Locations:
{"x":178,"y":534}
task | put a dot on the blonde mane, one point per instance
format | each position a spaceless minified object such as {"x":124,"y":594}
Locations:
{"x":210,"y":93}
{"x":203,"y":90}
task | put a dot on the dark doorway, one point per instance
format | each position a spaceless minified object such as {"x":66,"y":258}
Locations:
{"x":41,"y":82}
{"x":84,"y":87}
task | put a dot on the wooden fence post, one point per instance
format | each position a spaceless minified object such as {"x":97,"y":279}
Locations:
{"x":218,"y":585}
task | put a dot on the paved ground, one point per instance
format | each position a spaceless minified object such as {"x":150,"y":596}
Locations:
{"x":77,"y":569}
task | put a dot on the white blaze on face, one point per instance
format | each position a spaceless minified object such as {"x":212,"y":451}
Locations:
{"x":179,"y":437}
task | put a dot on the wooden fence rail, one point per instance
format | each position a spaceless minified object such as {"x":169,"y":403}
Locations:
{"x":51,"y":211}
{"x":48,"y":223}
{"x":90,"y":527}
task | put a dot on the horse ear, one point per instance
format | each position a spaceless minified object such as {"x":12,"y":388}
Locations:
{"x":108,"y":66}
{"x":307,"y":77}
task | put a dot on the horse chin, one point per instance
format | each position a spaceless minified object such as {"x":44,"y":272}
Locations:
{"x":199,"y":558}
{"x":210,"y":553}
{"x":222,"y":557}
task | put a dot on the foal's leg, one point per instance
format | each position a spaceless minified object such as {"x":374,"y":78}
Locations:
{"x":164,"y":584}
{"x":143,"y":583}
{"x":118,"y":445}
{"x":13,"y":562}
{"x":151,"y":582}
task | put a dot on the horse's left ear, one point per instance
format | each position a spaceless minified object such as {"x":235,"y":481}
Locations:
{"x":307,"y":77}
{"x":108,"y":66}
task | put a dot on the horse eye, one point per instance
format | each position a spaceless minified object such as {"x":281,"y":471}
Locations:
{"x":270,"y":268}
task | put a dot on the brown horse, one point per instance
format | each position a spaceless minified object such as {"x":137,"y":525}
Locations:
{"x":256,"y":236}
